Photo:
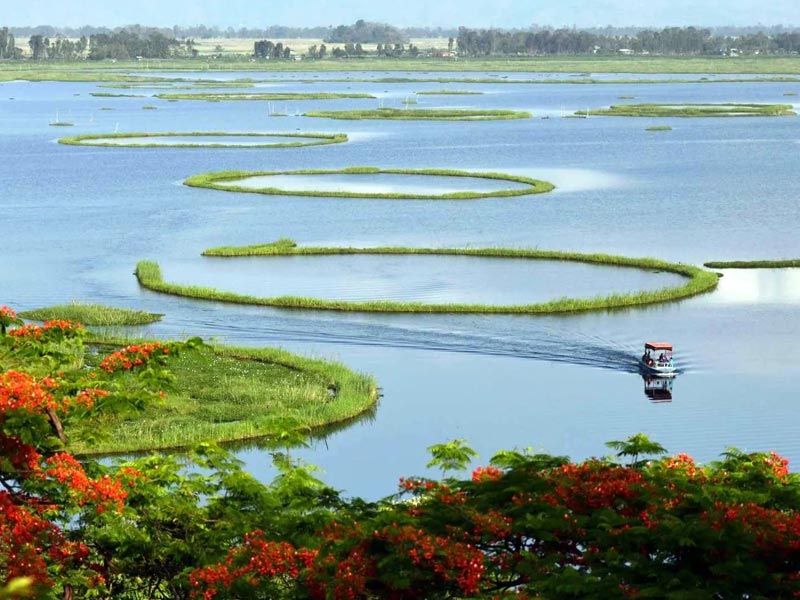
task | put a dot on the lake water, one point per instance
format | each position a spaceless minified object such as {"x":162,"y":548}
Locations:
{"x":77,"y":219}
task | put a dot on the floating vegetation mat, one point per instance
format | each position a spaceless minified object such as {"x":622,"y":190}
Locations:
{"x":208,"y":139}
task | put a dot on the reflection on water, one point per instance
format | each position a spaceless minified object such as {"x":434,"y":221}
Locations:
{"x":658,"y":389}
{"x":758,"y":286}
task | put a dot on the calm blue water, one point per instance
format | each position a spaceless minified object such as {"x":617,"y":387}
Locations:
{"x":77,"y":219}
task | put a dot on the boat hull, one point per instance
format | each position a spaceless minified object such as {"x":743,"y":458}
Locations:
{"x":657,"y":371}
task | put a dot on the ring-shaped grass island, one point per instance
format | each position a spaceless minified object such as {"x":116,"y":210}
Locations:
{"x":688,"y":110}
{"x":227,"y":181}
{"x":104,"y":139}
{"x":698,"y":281}
{"x":421,"y":114}
{"x":261,"y":96}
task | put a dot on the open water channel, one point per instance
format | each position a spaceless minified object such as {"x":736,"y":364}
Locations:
{"x":75,"y":220}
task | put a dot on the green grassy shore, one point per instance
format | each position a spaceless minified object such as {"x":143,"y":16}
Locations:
{"x":699,"y":281}
{"x":119,"y":71}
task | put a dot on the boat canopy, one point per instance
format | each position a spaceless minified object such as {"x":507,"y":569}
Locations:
{"x":658,"y":346}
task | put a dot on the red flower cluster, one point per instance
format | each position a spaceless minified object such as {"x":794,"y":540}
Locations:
{"x":264,"y":559}
{"x":134,"y":356}
{"x":51,"y":330}
{"x":103,"y":492}
{"x":7,"y":315}
{"x":489,"y":473}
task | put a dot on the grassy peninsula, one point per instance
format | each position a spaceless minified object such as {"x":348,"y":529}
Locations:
{"x":226,"y":181}
{"x":699,"y":280}
{"x":422,"y":114}
{"x":224,"y":394}
{"x":92,"y":314}
{"x":691,"y":110}
{"x":304,"y":139}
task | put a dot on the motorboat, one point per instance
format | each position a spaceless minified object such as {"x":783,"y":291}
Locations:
{"x":657,"y":360}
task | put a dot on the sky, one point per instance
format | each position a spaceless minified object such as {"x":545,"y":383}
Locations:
{"x":445,"y":13}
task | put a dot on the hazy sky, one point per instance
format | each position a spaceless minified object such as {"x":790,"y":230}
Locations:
{"x":496,"y":13}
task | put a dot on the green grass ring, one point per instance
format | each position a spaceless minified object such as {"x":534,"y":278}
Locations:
{"x":213,"y":181}
{"x":304,"y":139}
{"x":699,"y":281}
{"x":421,"y":114}
{"x":260,"y":96}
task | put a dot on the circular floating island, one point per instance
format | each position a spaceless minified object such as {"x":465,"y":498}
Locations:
{"x":691,"y":110}
{"x":422,"y":114}
{"x":367,"y":182}
{"x":255,"y":96}
{"x":211,"y":139}
{"x":698,"y":281}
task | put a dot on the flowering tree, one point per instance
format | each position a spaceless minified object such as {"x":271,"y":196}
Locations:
{"x":538,"y":526}
{"x":46,"y":494}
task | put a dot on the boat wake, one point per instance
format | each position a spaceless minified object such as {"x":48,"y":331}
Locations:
{"x":536,"y":342}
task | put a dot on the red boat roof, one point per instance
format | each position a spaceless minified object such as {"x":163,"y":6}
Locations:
{"x":658,"y":346}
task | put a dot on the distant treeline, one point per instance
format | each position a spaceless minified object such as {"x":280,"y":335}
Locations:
{"x":121,"y":45}
{"x":670,"y":40}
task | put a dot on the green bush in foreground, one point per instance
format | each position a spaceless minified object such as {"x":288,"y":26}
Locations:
{"x":226,"y":181}
{"x":92,"y":314}
{"x":699,"y":281}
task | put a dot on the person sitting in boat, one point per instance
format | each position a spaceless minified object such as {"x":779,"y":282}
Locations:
{"x":662,"y":358}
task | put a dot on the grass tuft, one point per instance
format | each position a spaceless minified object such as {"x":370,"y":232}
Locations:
{"x":92,"y":314}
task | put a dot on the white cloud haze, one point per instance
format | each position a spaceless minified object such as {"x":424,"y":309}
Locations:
{"x":495,"y":13}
